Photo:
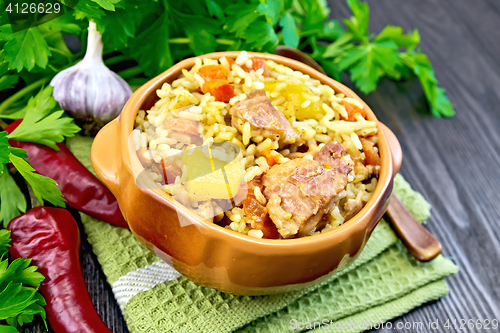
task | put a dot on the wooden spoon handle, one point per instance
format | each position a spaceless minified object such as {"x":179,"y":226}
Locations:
{"x":419,"y":242}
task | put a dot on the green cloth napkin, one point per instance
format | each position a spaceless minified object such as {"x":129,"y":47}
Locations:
{"x":383,"y":283}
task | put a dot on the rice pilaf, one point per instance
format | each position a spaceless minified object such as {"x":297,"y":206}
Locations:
{"x":199,"y":110}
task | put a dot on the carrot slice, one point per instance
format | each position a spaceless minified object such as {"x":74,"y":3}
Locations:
{"x":351,"y":111}
{"x":222,"y":90}
{"x":271,"y":159}
{"x":213,"y":72}
{"x":186,"y":126}
{"x":371,"y":156}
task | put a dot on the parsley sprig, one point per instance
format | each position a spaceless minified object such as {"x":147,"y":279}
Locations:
{"x":20,"y":300}
{"x":44,"y":124}
{"x":369,"y":58}
{"x":156,"y":34}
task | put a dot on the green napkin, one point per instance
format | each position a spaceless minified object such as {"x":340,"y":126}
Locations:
{"x":383,"y":283}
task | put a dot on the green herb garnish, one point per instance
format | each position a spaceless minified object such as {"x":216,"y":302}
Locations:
{"x":156,"y":34}
{"x":42,"y":124}
{"x":20,"y":300}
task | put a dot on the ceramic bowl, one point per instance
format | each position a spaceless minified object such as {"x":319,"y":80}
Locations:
{"x":216,"y":257}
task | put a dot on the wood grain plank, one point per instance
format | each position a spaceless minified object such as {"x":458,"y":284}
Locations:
{"x":451,"y":162}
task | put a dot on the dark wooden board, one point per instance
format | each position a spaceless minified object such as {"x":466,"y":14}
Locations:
{"x":454,"y":162}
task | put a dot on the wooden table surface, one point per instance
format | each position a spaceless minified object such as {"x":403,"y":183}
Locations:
{"x":453,"y":162}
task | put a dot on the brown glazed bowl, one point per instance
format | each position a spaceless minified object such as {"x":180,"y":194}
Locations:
{"x":216,"y":257}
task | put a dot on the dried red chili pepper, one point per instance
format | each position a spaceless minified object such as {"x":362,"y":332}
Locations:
{"x":81,"y":189}
{"x":51,"y":238}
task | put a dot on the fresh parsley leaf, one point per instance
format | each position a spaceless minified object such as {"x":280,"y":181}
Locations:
{"x":42,"y":102}
{"x":272,"y":10}
{"x":119,"y":26}
{"x":151,"y":48}
{"x":336,"y":48}
{"x":87,"y":10}
{"x":4,"y":66}
{"x":3,"y":18}
{"x":19,"y":271}
{"x":367,"y":63}
{"x":439,"y":104}
{"x":19,"y":298}
{"x":4,"y":149}
{"x":314,"y":13}
{"x":66,"y":22}
{"x":331,"y":29}
{"x":239,"y":18}
{"x":8,"y":329}
{"x":8,"y":81}
{"x":290,"y":34}
{"x":26,"y":49}
{"x":107,"y":4}
{"x":18,"y":152}
{"x":396,"y":35}
{"x":358,"y":23}
{"x":214,"y":9}
{"x":200,"y":32}
{"x":14,"y":298}
{"x":4,"y":242}
{"x":12,"y":200}
{"x":44,"y":188}
{"x":6,"y":33}
{"x":260,"y":34}
{"x":27,"y":315}
{"x":54,"y":37}
{"x":331,"y":68}
{"x":201,"y":41}
{"x":41,"y":124}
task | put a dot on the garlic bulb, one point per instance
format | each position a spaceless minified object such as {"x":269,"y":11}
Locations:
{"x":89,"y":90}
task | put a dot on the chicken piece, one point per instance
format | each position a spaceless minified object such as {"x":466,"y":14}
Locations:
{"x":306,"y":189}
{"x":258,"y":111}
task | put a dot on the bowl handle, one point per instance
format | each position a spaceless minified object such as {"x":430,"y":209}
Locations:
{"x":105,"y":155}
{"x":395,"y":147}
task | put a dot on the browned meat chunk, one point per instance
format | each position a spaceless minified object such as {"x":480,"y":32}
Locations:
{"x":330,"y":156}
{"x":258,"y":111}
{"x":301,"y":191}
